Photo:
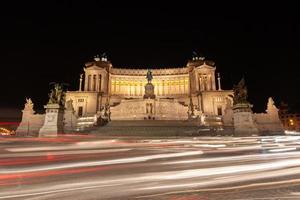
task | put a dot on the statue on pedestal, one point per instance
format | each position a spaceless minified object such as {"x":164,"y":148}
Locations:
{"x":149,"y":87}
{"x":240,"y":93}
{"x":57,"y":95}
{"x":243,"y":121}
{"x":149,"y":76}
{"x":54,"y":118}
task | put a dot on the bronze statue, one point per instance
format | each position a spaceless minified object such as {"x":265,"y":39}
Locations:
{"x":240,"y":92}
{"x":149,"y":87}
{"x":149,"y":76}
{"x":57,"y":95}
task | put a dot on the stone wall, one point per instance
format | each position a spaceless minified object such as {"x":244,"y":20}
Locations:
{"x":266,"y":123}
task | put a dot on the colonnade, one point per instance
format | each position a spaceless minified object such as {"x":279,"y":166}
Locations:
{"x":93,"y":82}
{"x":206,"y":82}
{"x":162,"y":87}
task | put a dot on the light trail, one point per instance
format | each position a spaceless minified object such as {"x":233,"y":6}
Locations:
{"x":238,"y":158}
{"x":127,"y":169}
{"x":78,"y":145}
{"x":91,"y":151}
{"x":283,"y":150}
{"x":99,"y":163}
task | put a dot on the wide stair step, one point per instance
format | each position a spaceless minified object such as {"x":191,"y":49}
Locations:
{"x":85,"y":123}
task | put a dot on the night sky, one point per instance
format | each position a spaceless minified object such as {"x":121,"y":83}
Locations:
{"x":43,"y":42}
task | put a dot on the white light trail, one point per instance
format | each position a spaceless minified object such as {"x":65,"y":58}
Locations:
{"x":79,"y":145}
{"x":283,"y":150}
{"x":56,"y":153}
{"x":238,"y":158}
{"x":100,"y":163}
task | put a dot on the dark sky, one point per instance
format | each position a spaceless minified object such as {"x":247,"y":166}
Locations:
{"x":47,"y":41}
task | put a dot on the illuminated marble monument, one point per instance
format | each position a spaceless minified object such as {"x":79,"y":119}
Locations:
{"x":176,"y":91}
{"x":177,"y":98}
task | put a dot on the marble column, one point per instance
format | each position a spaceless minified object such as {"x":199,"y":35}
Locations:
{"x":213,"y":81}
{"x":93,"y":82}
{"x":119,"y":86}
{"x":97,"y":82}
{"x":101,"y":83}
{"x":201,"y":84}
{"x":198,"y":82}
{"x":89,"y":82}
{"x":128,"y":88}
{"x":208,"y":81}
{"x":86,"y":79}
{"x":185,"y":85}
{"x":122,"y":91}
{"x":163,"y":87}
{"x":112,"y":87}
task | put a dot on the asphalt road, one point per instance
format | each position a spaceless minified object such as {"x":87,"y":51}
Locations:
{"x":87,"y":167}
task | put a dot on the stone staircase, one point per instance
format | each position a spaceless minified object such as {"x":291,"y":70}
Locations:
{"x":86,"y":123}
{"x":157,"y":128}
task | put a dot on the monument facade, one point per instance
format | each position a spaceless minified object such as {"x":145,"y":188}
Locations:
{"x":190,"y":94}
{"x":156,"y":94}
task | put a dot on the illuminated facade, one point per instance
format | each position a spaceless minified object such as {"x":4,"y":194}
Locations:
{"x":290,"y":121}
{"x":190,"y":89}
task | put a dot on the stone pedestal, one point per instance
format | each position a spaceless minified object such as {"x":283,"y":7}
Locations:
{"x":149,"y":91}
{"x":53,"y":123}
{"x":150,"y":105}
{"x":243,"y":120}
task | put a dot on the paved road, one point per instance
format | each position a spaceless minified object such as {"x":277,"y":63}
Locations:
{"x":87,"y":167}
